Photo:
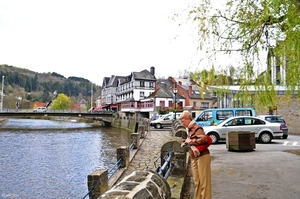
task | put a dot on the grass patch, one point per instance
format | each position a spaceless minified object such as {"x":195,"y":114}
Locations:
{"x":296,"y":152}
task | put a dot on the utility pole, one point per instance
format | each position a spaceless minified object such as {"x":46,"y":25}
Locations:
{"x":91,"y":94}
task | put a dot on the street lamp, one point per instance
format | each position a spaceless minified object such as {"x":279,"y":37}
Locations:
{"x":2,"y":93}
{"x":175,"y":91}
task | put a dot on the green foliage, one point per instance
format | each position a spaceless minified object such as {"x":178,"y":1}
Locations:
{"x":249,"y":28}
{"x":57,"y":75}
{"x":61,"y":102}
{"x":39,"y":87}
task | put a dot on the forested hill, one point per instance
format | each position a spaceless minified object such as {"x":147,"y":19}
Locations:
{"x":39,"y":87}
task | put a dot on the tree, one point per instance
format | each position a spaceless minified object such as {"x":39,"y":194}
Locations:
{"x":62,"y":102}
{"x":251,"y":28}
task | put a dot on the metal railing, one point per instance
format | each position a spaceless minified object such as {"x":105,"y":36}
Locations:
{"x":90,"y":191}
{"x":114,"y":168}
{"x":131,"y":147}
{"x":167,"y":167}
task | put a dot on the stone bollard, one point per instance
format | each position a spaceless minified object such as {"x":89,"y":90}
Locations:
{"x":141,"y":130}
{"x":99,"y":181}
{"x":124,"y":154}
{"x":140,"y":184}
{"x":135,"y":140}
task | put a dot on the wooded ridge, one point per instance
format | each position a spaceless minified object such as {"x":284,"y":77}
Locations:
{"x":28,"y":86}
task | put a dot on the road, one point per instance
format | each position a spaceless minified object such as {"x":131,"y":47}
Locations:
{"x":267,"y":172}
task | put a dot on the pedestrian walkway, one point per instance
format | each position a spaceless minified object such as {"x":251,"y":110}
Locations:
{"x":148,"y":157}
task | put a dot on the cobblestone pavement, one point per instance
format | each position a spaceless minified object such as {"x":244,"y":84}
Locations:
{"x":149,"y":151}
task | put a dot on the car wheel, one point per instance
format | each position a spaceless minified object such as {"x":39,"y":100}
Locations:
{"x":214,"y":137}
{"x":265,"y":137}
{"x":158,"y":126}
{"x":284,"y":136}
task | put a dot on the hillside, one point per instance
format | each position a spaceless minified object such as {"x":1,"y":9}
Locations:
{"x":29,"y":87}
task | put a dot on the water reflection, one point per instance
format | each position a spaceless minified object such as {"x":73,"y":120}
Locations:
{"x":54,"y":164}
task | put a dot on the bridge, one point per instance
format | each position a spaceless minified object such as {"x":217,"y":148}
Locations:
{"x":106,"y":117}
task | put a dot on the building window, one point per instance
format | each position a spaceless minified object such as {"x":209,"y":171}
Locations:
{"x":205,"y":105}
{"x":151,"y":84}
{"x":194,"y":104}
{"x":142,"y":83}
{"x":142,"y":94}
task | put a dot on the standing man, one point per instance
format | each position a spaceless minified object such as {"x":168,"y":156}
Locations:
{"x":201,"y":161}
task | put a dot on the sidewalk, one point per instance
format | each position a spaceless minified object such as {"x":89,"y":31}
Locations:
{"x":148,"y":157}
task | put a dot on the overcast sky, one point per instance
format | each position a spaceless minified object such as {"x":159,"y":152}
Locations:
{"x":95,"y":38}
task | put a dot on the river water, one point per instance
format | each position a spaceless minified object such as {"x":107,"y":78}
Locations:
{"x":52,"y":159}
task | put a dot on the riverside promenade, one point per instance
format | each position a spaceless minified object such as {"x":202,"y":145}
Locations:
{"x":148,"y":157}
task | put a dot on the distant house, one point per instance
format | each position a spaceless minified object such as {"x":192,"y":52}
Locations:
{"x":39,"y":104}
{"x":140,"y":94}
{"x":124,"y":93}
{"x":194,"y":100}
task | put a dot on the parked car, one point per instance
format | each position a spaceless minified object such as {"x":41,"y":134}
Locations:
{"x":264,"y":131}
{"x":164,"y":120}
{"x":277,"y":119}
{"x":40,"y":109}
{"x":155,"y":117}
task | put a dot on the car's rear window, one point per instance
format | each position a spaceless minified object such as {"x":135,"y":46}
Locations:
{"x":275,"y":119}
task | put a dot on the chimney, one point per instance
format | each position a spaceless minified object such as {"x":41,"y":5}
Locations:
{"x":152,"y":70}
{"x":190,"y":90}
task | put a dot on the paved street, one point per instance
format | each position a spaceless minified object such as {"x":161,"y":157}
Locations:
{"x":267,"y":172}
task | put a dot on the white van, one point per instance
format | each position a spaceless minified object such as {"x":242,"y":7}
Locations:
{"x":164,"y":120}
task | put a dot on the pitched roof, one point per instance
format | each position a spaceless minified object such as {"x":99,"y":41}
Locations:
{"x":163,"y":92}
{"x":144,"y":74}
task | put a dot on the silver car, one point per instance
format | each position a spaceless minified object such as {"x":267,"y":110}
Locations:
{"x":264,"y":131}
{"x":40,"y":110}
{"x":277,"y":119}
{"x":164,"y":121}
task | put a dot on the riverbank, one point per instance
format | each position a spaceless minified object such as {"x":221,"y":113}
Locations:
{"x":3,"y":121}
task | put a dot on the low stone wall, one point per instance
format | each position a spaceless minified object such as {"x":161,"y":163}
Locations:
{"x":3,"y":121}
{"x":131,"y":123}
{"x":140,"y":184}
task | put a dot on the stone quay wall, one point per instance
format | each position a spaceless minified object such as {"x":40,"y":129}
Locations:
{"x":289,"y":109}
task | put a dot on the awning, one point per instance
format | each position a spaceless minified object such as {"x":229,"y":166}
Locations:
{"x":114,"y":106}
{"x":101,"y":107}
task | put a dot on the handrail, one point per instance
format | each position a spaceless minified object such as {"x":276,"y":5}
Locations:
{"x":132,"y":146}
{"x":114,"y":168}
{"x":90,"y":191}
{"x":167,"y":167}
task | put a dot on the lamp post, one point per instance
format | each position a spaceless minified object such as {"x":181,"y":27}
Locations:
{"x":2,"y":93}
{"x":175,"y":91}
{"x":91,"y":94}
